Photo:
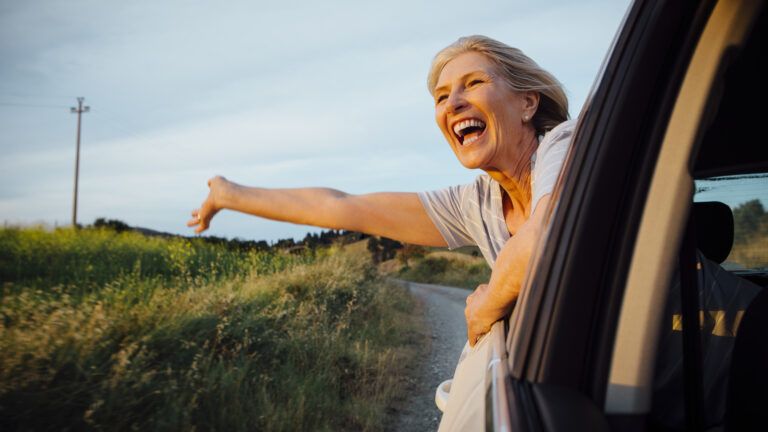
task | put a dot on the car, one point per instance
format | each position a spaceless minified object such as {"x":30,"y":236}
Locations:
{"x":675,"y":117}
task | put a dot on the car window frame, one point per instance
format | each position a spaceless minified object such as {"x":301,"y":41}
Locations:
{"x":631,"y":375}
{"x":530,"y":339}
{"x":575,"y":184}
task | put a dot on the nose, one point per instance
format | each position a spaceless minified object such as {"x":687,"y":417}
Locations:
{"x":455,"y":102}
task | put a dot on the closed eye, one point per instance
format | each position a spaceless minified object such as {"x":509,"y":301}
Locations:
{"x":440,"y":98}
{"x":475,"y":82}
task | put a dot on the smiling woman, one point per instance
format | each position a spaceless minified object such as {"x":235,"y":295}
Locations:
{"x":500,"y":112}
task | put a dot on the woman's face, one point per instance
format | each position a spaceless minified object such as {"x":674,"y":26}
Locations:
{"x":480,"y":115}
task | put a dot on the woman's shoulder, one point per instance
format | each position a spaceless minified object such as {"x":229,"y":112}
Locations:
{"x":561,"y":131}
{"x":483,"y":186}
{"x":558,"y":137}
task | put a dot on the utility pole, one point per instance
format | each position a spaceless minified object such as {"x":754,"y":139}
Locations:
{"x":79,"y":110}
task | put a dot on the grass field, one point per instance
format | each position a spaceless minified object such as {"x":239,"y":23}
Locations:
{"x":448,"y":268}
{"x":122,"y":332}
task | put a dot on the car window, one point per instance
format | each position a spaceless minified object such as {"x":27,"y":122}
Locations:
{"x":692,"y":374}
{"x":747,"y":196}
{"x":692,"y":367}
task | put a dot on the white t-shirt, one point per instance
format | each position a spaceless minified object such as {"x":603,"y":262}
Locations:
{"x":472,"y":214}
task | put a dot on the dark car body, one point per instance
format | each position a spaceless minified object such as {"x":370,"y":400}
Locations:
{"x":672,"y":105}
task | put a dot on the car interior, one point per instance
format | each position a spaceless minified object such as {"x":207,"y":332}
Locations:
{"x":720,"y":284}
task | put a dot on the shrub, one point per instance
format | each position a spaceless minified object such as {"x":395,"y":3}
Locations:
{"x":449,"y":269}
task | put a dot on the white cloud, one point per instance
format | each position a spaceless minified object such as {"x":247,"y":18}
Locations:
{"x":282,"y":95}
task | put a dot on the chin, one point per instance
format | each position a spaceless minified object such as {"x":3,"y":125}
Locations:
{"x":471,"y":164}
{"x":472,"y":160}
{"x":475,"y":157}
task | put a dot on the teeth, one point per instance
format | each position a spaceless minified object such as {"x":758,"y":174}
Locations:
{"x":469,"y":140}
{"x":460,"y":126}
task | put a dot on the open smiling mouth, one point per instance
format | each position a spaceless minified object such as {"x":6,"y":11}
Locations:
{"x":469,"y":131}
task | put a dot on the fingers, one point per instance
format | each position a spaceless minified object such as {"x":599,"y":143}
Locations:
{"x":195,"y":220}
{"x":475,"y":329}
{"x":208,"y":210}
{"x":201,"y":218}
{"x":201,"y":223}
{"x":473,"y":337}
{"x":474,"y":334}
{"x":476,"y":325}
{"x":471,"y":334}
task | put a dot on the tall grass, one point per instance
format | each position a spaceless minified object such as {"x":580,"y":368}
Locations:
{"x":752,"y":252}
{"x":90,"y":258}
{"x":446,"y":268}
{"x":315,"y":345}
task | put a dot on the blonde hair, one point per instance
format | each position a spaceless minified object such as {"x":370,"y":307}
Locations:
{"x":519,"y":71}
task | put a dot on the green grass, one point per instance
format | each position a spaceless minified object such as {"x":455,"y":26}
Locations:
{"x":751,"y":253}
{"x":266,"y":342}
{"x":90,"y":258}
{"x":448,"y":268}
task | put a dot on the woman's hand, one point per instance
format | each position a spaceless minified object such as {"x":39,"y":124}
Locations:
{"x":201,"y":217}
{"x":492,"y":302}
{"x":481,"y":312}
{"x":476,"y":325}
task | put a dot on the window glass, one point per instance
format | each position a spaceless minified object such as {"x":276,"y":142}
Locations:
{"x":747,"y":196}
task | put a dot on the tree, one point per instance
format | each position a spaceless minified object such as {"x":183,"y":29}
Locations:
{"x":383,"y":248}
{"x":374,"y":247}
{"x":749,"y":219}
{"x":389,"y":248}
{"x":113,"y":224}
{"x":284,"y":243}
{"x":410,"y":251}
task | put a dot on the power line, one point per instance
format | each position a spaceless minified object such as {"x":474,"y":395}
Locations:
{"x":24,"y":97}
{"x":27,"y":105}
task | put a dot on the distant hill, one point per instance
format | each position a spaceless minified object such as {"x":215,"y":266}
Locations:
{"x":310,"y":241}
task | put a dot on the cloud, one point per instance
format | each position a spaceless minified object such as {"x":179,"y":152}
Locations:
{"x":280,"y":94}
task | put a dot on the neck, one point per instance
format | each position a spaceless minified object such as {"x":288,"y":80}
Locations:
{"x":515,"y":176}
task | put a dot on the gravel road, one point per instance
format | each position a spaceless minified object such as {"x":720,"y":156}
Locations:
{"x":443,"y":309}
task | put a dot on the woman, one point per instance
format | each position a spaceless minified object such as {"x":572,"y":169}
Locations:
{"x":500,"y":112}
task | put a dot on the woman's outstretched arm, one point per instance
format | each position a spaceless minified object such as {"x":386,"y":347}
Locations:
{"x":397,"y":215}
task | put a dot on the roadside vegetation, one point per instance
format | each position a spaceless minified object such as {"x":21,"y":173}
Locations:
{"x":750,"y":242}
{"x":446,"y":268}
{"x":119,"y":331}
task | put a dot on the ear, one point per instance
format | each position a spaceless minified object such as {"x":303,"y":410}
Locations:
{"x":530,"y":103}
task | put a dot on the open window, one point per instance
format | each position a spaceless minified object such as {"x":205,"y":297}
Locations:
{"x":719,"y":221}
{"x":584,"y":340}
{"x":694,"y":384}
{"x":669,"y":109}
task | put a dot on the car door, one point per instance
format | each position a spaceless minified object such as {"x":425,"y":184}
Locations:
{"x":582,"y":346}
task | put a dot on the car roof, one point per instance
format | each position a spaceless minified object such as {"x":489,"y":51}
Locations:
{"x":731,"y":145}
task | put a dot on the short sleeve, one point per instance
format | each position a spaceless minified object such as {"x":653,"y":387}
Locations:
{"x":444,"y":207}
{"x":549,"y":160}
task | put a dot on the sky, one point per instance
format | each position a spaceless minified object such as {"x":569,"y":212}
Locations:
{"x":269,"y":94}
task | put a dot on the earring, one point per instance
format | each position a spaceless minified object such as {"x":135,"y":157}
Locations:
{"x":525,"y":118}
